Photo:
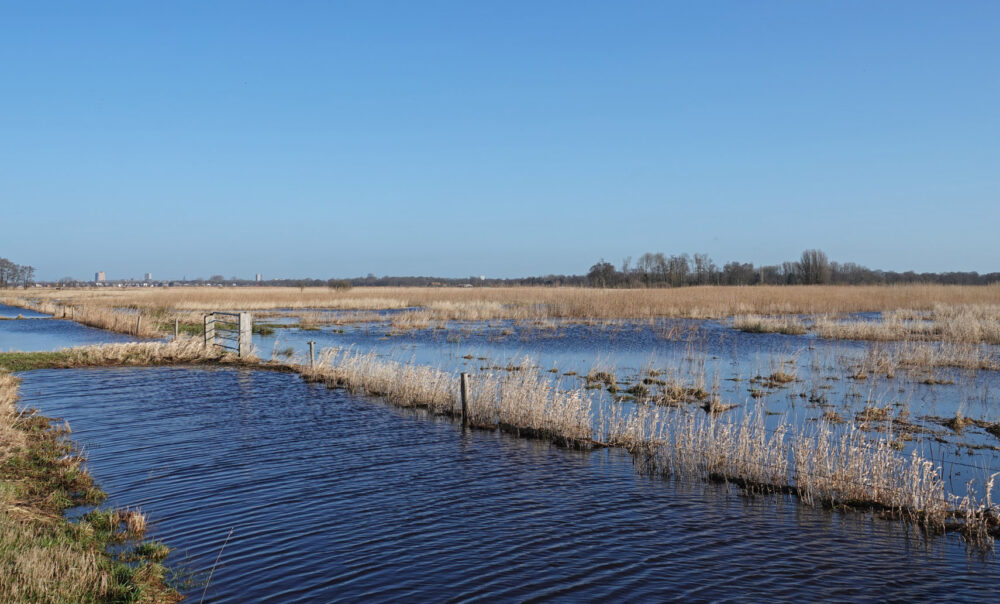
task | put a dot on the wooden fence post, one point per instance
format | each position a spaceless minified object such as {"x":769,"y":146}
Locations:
{"x":465,"y":400}
{"x":246,"y":334}
{"x":312,"y":356}
{"x":138,"y":324}
{"x":177,"y":328}
{"x":209,"y":329}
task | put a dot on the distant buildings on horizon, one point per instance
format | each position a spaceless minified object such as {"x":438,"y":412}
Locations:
{"x":101,"y":277}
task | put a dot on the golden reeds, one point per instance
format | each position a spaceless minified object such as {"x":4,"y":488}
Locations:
{"x":545,"y":302}
{"x":960,"y":323}
{"x":522,"y":401}
{"x":820,"y":465}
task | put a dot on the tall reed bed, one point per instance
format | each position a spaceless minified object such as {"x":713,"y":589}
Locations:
{"x":548,"y":302}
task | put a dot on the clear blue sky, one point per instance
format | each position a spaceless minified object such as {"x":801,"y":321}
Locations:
{"x":504,"y":138}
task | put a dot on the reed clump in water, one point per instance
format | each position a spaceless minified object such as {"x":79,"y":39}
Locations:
{"x":518,"y":401}
{"x":762,"y":324}
{"x":43,"y":556}
{"x":822,"y":466}
{"x":953,"y":323}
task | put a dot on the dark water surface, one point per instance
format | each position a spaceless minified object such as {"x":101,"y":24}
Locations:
{"x":334,"y":497}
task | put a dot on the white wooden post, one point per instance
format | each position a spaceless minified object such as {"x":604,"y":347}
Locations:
{"x":209,"y":329}
{"x":246,"y":334}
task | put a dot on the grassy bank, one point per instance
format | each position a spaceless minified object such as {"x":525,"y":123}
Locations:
{"x":43,"y":556}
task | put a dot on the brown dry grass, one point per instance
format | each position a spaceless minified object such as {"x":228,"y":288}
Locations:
{"x":555,"y":302}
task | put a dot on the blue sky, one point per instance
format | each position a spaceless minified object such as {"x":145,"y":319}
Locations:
{"x":334,"y":139}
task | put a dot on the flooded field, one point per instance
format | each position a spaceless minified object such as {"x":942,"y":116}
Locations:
{"x":332,"y":496}
{"x":902,"y":391}
{"x":38,"y":332}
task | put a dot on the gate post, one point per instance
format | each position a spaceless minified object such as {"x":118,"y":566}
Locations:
{"x":246,"y":334}
{"x":209,"y":329}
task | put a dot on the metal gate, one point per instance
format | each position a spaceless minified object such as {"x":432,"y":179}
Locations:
{"x":229,"y":330}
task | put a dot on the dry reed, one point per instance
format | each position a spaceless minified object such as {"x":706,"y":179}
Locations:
{"x":547,"y":302}
{"x":821,"y":465}
{"x":523,"y":401}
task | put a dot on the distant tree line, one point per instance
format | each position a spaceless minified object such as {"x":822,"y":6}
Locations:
{"x":813,"y":267}
{"x":649,"y":270}
{"x":14,"y":275}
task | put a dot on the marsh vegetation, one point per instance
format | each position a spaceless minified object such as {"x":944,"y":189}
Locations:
{"x":879,"y":399}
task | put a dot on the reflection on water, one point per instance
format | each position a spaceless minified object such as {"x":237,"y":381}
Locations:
{"x":331,"y":496}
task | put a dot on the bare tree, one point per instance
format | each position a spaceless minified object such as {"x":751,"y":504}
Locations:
{"x":814,"y":267}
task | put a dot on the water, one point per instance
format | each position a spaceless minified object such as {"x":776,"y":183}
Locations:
{"x":334,"y":497}
{"x":628,"y":348}
{"x":10,"y":312}
{"x":33,"y":335}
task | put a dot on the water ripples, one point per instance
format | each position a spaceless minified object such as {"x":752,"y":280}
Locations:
{"x":334,"y":497}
